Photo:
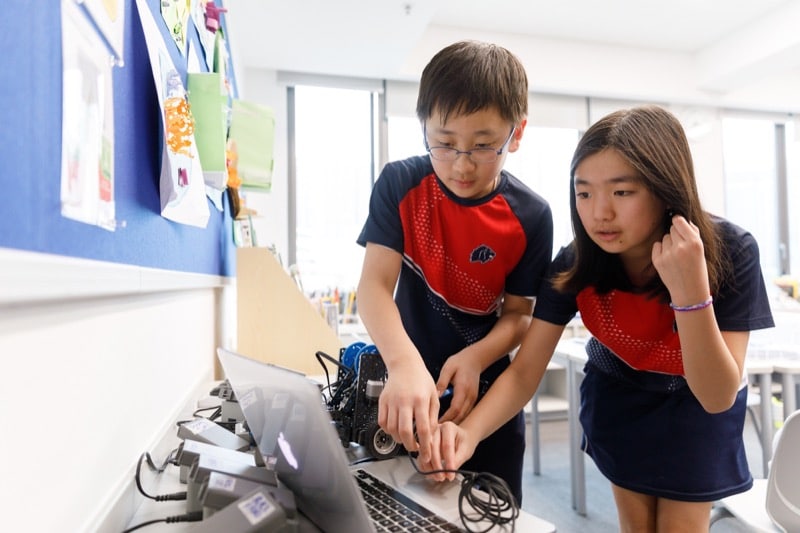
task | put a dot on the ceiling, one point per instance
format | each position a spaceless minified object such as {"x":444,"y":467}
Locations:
{"x":722,"y":44}
{"x":677,"y":25}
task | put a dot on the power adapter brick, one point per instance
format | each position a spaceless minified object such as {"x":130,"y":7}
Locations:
{"x":210,"y":432}
{"x":256,"y":511}
{"x":205,"y":464}
{"x":189,"y":450}
{"x":220,"y":490}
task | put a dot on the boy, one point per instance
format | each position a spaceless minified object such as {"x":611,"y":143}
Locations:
{"x":466,"y":245}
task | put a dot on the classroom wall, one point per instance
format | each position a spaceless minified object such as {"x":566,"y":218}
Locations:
{"x":95,"y":375}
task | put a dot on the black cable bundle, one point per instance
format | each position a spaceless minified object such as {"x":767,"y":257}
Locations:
{"x":496,"y":505}
{"x":340,"y":391}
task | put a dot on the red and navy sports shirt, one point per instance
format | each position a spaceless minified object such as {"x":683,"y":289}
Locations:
{"x":459,"y":256}
{"x":640,"y":330}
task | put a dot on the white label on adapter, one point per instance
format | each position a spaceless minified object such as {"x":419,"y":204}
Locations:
{"x":222,"y":482}
{"x":198,"y":425}
{"x":255,"y":508}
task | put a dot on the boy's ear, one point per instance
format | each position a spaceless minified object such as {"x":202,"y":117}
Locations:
{"x":513,"y":146}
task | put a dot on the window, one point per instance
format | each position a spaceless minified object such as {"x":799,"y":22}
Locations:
{"x":405,"y":138}
{"x":793,"y":196}
{"x":337,"y":159}
{"x":751,"y":184}
{"x":334,"y":154}
{"x":542,"y":163}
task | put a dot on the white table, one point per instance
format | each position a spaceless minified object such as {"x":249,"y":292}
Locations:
{"x":571,"y":354}
{"x":785,"y":359}
{"x":765,"y":360}
{"x":762,"y":369}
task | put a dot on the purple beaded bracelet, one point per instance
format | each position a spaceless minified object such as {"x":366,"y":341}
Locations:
{"x":695,"y":307}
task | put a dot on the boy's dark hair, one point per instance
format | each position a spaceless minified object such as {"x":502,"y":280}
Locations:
{"x":652,"y":141}
{"x":470,"y":76}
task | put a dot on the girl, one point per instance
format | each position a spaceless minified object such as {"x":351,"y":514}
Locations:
{"x":669,"y":294}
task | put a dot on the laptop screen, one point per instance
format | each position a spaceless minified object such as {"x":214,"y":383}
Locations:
{"x":294,"y":433}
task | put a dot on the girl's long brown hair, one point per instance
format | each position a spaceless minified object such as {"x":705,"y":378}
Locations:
{"x":653,"y":142}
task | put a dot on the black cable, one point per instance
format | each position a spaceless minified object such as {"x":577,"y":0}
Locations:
{"x":194,"y":516}
{"x":212,"y":417}
{"x":217,"y":412}
{"x":340,"y":391}
{"x":343,"y":369}
{"x":175,"y":496}
{"x":498,"y":505}
{"x":170,"y":460}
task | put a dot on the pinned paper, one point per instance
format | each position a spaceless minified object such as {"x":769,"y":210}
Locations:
{"x":176,"y":16}
{"x":209,"y":109}
{"x":182,"y":188}
{"x":253,"y":132}
{"x":206,"y":16}
{"x":87,"y":139}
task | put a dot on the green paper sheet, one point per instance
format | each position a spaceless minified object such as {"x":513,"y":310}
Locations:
{"x":253,"y":130}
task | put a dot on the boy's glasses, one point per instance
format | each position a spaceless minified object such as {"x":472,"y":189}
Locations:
{"x":476,"y":155}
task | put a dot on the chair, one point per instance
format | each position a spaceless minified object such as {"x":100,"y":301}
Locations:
{"x":783,"y":486}
{"x":773,"y":504}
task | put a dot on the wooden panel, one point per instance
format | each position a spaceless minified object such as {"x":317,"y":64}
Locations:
{"x":276,"y":322}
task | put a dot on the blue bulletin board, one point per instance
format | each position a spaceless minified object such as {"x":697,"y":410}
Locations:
{"x":30,"y":153}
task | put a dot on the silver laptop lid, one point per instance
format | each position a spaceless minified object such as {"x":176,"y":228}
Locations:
{"x":296,"y":437}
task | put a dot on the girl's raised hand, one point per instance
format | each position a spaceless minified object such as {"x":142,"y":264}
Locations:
{"x":680,"y":261}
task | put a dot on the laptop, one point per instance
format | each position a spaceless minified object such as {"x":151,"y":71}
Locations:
{"x":293,"y":431}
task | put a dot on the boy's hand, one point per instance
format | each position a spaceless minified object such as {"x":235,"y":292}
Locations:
{"x":464,"y":375}
{"x":408,"y":408}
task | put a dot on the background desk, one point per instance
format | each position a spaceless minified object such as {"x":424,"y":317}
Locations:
{"x":763,"y":361}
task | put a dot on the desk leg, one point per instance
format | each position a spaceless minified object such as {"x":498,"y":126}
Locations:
{"x":577,"y":472}
{"x":788,"y":394}
{"x":535,"y":440}
{"x":767,"y":424}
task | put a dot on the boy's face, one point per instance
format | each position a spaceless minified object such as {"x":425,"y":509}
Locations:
{"x":484,"y":129}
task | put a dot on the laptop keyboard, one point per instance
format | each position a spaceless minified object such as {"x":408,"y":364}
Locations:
{"x":393,"y":511}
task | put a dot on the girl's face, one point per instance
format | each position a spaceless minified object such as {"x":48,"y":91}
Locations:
{"x":617,"y":210}
{"x":484,"y":129}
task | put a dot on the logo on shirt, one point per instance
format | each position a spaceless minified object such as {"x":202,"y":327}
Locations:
{"x":482,"y":254}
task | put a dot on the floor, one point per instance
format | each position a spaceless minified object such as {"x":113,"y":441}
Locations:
{"x":548,"y":494}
